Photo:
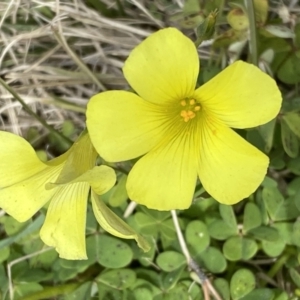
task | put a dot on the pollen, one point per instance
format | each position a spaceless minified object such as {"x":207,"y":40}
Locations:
{"x":191,"y":107}
{"x":187,"y":115}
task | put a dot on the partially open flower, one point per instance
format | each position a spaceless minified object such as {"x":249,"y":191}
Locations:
{"x":27,"y":184}
{"x":181,"y":130}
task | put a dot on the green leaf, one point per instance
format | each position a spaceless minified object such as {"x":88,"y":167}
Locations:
{"x":119,"y":193}
{"x":293,"y":121}
{"x":264,"y":233}
{"x":197,"y":235}
{"x":23,"y":289}
{"x":213,"y":260}
{"x":274,"y":248}
{"x":291,"y":105}
{"x":293,"y":187}
{"x":172,"y":277}
{"x":295,"y":277}
{"x":296,"y":233}
{"x":219,"y":230}
{"x":143,"y":293}
{"x":289,"y":71}
{"x":269,"y":182}
{"x":113,"y":253}
{"x":117,"y":279}
{"x":208,"y":72}
{"x":222,"y":288}
{"x":296,"y":197}
{"x":254,"y":138}
{"x":289,"y":140}
{"x":146,"y":224}
{"x":4,"y":254}
{"x":297,"y":37}
{"x":238,"y":247}
{"x":106,"y":292}
{"x":267,"y":133}
{"x":156,"y":222}
{"x":228,"y":215}
{"x":242,"y":283}
{"x":146,"y":258}
{"x":252,"y":217}
{"x":273,"y":201}
{"x":78,"y":266}
{"x":294,"y":165}
{"x":12,"y":226}
{"x":261,"y":294}
{"x":31,"y":227}
{"x":279,"y":209}
{"x":180,"y":292}
{"x":81,"y":293}
{"x":285,"y":230}
{"x":281,"y":295}
{"x":170,"y":260}
{"x":194,"y":291}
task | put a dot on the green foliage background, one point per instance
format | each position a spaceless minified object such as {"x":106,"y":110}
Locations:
{"x":249,"y":251}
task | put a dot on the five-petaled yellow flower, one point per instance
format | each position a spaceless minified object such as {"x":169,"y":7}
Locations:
{"x":27,"y":184}
{"x":181,"y":130}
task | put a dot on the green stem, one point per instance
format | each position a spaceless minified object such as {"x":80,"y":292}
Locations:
{"x":51,"y":292}
{"x":279,"y":263}
{"x":253,"y":37}
{"x":32,"y":113}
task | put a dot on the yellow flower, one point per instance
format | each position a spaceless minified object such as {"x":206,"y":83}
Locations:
{"x":181,"y":130}
{"x":27,"y":184}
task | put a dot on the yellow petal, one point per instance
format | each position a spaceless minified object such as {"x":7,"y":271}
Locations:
{"x":22,"y":200}
{"x":64,"y":227}
{"x":163,"y":67}
{"x":165,"y":178}
{"x":101,"y":179}
{"x":241,"y":96}
{"x":18,"y":159}
{"x":111,"y":223}
{"x":81,"y":158}
{"x":122,"y":126}
{"x":230,"y":168}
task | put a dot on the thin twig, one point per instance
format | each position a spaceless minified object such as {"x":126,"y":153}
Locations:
{"x":252,"y":25}
{"x":62,"y":41}
{"x":206,"y":285}
{"x":16,"y":261}
{"x":130,"y":209}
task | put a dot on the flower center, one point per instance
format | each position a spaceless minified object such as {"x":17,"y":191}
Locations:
{"x":190,"y":109}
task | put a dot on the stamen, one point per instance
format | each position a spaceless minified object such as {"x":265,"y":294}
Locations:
{"x":191,"y":114}
{"x":190,"y":109}
{"x":183,"y":113}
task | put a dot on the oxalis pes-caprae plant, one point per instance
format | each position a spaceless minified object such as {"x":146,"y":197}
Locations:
{"x":181,"y":132}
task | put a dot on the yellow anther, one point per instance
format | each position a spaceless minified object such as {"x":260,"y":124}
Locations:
{"x":191,"y":114}
{"x":183,"y":113}
{"x":190,"y":108}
